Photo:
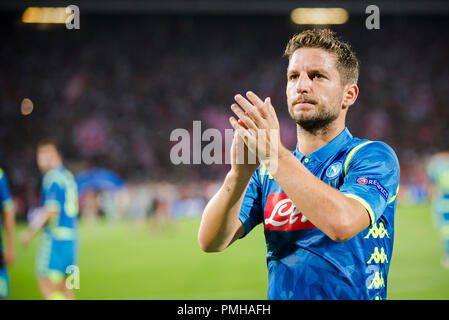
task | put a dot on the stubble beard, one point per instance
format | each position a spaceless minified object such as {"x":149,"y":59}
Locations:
{"x":318,"y":123}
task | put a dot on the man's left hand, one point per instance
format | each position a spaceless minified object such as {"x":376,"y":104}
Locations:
{"x":262,"y":133}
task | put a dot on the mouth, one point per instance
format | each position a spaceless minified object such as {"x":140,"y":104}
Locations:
{"x":303,"y":104}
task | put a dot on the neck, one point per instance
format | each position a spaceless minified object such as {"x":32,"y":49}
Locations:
{"x":309,"y":142}
{"x":55,"y":165}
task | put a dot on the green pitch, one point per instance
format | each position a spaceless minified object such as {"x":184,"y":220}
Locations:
{"x":135,"y":261}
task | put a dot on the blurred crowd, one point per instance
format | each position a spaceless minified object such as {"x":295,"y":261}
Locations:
{"x":113,"y":91}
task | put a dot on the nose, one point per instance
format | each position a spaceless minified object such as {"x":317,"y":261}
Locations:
{"x":304,"y":83}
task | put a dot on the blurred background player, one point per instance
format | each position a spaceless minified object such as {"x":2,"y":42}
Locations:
{"x":58,"y":218}
{"x":438,"y":173}
{"x":7,"y":221}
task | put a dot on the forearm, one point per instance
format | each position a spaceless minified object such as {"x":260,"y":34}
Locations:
{"x":327,"y":208}
{"x":40,"y":221}
{"x":220,"y":221}
{"x":9,"y":226}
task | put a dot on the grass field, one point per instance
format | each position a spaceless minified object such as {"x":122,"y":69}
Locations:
{"x":125,"y":261}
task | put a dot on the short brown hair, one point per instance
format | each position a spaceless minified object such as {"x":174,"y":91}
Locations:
{"x":347,"y":62}
{"x":49,"y":142}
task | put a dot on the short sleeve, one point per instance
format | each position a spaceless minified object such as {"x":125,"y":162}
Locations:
{"x":438,"y":172}
{"x":251,"y":209}
{"x":5,"y":195}
{"x":51,"y":190}
{"x":372,"y":177}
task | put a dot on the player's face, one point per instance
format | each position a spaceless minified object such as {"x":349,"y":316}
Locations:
{"x":47,"y":157}
{"x":314,"y":89}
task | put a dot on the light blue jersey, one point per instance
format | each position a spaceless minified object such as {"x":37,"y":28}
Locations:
{"x":59,"y":246}
{"x":303,"y":262}
{"x":438,"y":173}
{"x":6,"y":204}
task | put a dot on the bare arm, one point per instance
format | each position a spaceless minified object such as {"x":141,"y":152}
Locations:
{"x":338,"y":216}
{"x":220,"y":225}
{"x":34,"y":228}
{"x":9,"y":225}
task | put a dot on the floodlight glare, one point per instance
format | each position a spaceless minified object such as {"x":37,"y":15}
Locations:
{"x":45,"y":15}
{"x":324,"y":16}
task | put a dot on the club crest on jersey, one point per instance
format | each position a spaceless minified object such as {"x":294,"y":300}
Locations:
{"x":334,"y":170}
{"x":282,"y":215}
{"x":374,"y":183}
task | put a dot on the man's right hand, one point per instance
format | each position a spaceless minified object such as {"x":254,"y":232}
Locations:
{"x":26,"y":238}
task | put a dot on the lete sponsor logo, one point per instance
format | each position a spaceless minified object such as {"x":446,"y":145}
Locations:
{"x":282,"y":215}
{"x":362,"y":180}
{"x":374,"y":183}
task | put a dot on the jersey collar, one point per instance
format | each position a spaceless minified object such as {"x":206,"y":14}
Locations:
{"x":329,"y":149}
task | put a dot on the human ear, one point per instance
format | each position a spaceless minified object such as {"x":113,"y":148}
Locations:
{"x":350,"y":94}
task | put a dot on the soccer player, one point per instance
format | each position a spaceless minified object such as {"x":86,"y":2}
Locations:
{"x":438,"y":173}
{"x":328,"y":206}
{"x":58,"y":219}
{"x":8,"y":219}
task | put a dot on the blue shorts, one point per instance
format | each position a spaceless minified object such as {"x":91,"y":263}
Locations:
{"x":54,"y":256}
{"x":445,"y":217}
{"x":4,"y":283}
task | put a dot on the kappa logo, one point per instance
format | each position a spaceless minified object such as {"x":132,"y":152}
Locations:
{"x":377,"y":232}
{"x":376,"y":281}
{"x":378,"y":256}
{"x":334,"y":170}
{"x":282,"y":215}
